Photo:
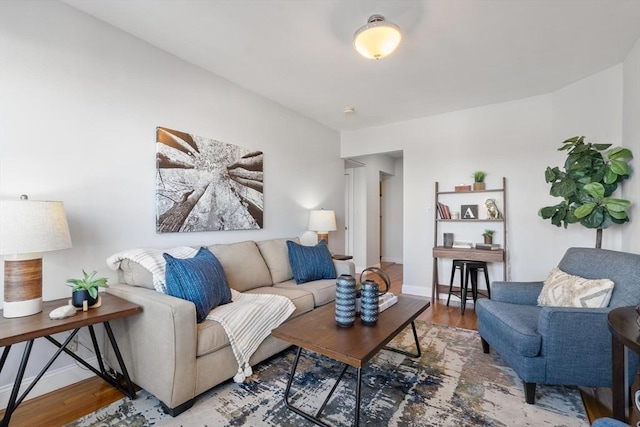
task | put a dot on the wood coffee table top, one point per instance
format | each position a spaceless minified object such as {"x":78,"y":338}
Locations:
{"x":317,"y":331}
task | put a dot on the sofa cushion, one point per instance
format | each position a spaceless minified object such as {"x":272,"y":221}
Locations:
{"x":566,"y":290}
{"x":200,"y":280}
{"x":310,"y":263}
{"x":132,"y":273}
{"x":276,"y":256}
{"x":303,"y":300}
{"x":323,"y":291}
{"x":243,"y":265}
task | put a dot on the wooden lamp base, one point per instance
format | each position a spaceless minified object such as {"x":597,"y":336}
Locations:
{"x":22,"y":285}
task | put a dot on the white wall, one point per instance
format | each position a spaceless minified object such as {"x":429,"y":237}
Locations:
{"x":631,"y":140}
{"x":515,"y":139}
{"x":79,"y":106}
{"x":392,"y":194}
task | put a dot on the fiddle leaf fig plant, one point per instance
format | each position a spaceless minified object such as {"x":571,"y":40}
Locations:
{"x":591,"y":174}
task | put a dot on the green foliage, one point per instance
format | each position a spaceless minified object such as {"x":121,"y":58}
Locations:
{"x":479,"y":176}
{"x":591,"y":174}
{"x":488,"y":233}
{"x":88,"y":283}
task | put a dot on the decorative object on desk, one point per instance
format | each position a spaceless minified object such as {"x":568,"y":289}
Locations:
{"x":62,"y":312}
{"x":369,"y":311}
{"x":492,"y":209}
{"x":462,"y":188}
{"x":448,"y":240}
{"x":488,"y":236}
{"x":28,"y":228}
{"x":469,"y":211}
{"x":478,"y":180}
{"x":85,"y":290}
{"x":322,"y":221}
{"x":590,"y":177}
{"x":345,"y":300}
{"x":462,"y":245}
{"x":455,"y":215}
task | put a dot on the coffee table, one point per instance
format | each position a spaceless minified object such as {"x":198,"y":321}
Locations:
{"x":317,"y":331}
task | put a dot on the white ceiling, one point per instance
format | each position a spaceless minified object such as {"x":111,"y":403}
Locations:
{"x":455,"y":54}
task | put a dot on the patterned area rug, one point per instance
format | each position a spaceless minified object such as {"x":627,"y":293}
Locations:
{"x":452,"y":384}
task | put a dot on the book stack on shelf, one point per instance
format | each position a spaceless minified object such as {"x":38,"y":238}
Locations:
{"x":462,"y":245}
{"x":487,"y":246}
{"x":443,"y":211}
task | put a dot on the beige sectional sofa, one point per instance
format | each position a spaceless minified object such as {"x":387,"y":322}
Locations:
{"x":174,"y":358}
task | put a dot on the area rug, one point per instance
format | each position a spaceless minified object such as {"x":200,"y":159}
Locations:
{"x":453,"y":384}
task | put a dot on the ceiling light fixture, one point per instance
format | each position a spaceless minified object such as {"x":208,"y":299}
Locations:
{"x":378,"y":38}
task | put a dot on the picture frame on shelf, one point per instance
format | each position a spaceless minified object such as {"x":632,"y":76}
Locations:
{"x":469,"y":212}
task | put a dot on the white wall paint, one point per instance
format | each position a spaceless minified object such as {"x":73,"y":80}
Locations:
{"x":515,"y":139}
{"x":392,"y":194}
{"x":79,"y":106}
{"x":631,"y":140}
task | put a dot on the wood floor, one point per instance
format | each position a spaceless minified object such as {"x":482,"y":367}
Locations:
{"x":72,"y":402}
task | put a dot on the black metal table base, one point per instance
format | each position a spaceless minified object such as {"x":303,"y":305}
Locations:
{"x":14,"y":400}
{"x":316,"y":418}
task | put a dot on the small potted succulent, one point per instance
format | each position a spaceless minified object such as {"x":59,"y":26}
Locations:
{"x":488,"y":236}
{"x":478,"y":180}
{"x":86,"y":289}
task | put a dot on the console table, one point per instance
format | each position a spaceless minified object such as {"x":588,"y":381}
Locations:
{"x":21,"y":329}
{"x":625,"y":334}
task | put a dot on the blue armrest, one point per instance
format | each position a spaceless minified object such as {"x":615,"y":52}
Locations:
{"x":523,"y":293}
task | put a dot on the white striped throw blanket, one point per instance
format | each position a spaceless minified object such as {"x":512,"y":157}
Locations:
{"x":247,"y":320}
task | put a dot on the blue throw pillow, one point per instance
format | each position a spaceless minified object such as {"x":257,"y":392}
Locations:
{"x":310,"y":262}
{"x":200,"y":280}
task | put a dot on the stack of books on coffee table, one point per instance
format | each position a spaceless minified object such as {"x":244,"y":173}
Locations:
{"x":385,"y":301}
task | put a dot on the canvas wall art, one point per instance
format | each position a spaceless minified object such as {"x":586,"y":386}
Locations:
{"x":206,"y":185}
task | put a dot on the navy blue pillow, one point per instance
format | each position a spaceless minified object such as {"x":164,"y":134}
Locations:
{"x":310,"y":262}
{"x":200,"y":280}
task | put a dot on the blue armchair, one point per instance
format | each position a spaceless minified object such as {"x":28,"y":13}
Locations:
{"x":559,"y":345}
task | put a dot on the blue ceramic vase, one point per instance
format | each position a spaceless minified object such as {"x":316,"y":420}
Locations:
{"x":369,"y":304}
{"x":345,"y":300}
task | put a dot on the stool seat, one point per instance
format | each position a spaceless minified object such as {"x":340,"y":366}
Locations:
{"x":468,"y":269}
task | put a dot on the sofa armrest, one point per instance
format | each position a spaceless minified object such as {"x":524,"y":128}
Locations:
{"x":523,"y":293}
{"x":159,"y":344}
{"x":344,"y":267}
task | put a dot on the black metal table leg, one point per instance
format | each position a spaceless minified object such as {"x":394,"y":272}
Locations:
{"x":130,"y":392}
{"x":415,"y":337}
{"x":11,"y":406}
{"x":358,"y":391}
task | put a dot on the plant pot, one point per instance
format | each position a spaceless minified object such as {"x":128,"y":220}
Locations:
{"x":78,"y":297}
{"x":488,"y":240}
{"x":477,"y":186}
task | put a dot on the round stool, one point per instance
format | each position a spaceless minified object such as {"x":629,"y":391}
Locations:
{"x":468,"y":269}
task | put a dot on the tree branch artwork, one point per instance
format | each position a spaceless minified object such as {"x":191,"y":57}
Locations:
{"x":206,"y":185}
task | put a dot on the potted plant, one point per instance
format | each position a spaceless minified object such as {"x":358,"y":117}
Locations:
{"x":591,"y":174}
{"x":478,"y":180}
{"x":488,"y":236}
{"x":86,"y":289}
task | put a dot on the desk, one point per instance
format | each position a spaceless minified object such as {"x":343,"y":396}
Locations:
{"x":21,"y":329}
{"x":468,"y":254}
{"x":625,"y":334}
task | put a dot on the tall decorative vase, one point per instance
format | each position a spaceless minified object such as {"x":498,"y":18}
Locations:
{"x":369,"y":305}
{"x":345,"y":300}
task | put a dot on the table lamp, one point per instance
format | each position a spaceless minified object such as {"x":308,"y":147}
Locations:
{"x":28,"y":228}
{"x":322,"y":222}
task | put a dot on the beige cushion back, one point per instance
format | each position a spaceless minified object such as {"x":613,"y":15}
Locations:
{"x":132,"y":273}
{"x":243,"y":265}
{"x":276,"y":255}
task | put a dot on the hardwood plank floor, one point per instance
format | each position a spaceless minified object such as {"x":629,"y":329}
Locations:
{"x":72,"y":402}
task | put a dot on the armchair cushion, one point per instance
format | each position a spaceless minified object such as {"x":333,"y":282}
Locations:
{"x":566,"y":290}
{"x":516,"y":324}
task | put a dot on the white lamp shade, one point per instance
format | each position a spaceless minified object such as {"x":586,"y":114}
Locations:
{"x":377,"y":39}
{"x":322,"y":221}
{"x":32,"y":226}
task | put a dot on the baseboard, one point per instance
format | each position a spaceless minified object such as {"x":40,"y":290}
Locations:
{"x":50,"y":381}
{"x":420,"y":291}
{"x":391,"y":259}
